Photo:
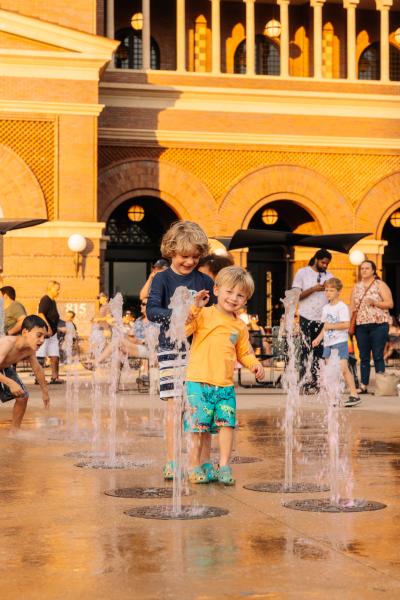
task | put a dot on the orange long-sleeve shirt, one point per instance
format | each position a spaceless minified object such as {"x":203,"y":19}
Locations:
{"x":219,"y":340}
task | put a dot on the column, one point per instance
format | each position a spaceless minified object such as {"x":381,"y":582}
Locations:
{"x":317,"y":37}
{"x":250,"y":38}
{"x":216,"y":36}
{"x":180,"y":36}
{"x":350,"y":6}
{"x":284,"y":19}
{"x":146,"y":35}
{"x":384,"y":6}
{"x":110,"y":27}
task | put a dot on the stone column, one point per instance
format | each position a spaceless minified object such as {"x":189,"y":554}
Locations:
{"x":284,"y":19}
{"x":317,"y":37}
{"x":216,"y":36}
{"x":180,"y":36}
{"x":350,"y":6}
{"x":110,"y":27}
{"x":146,"y":43}
{"x":250,"y":38}
{"x":384,"y":6}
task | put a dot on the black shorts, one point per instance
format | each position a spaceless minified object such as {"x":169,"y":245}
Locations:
{"x":5,"y":394}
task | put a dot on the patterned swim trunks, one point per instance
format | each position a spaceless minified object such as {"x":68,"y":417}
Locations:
{"x":209,"y":407}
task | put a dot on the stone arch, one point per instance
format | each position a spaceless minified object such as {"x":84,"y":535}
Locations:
{"x":379,"y":202}
{"x":180,"y":189}
{"x":21,"y":196}
{"x":308,"y":188}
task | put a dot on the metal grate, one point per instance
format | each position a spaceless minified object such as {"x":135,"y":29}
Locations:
{"x":143,"y":492}
{"x":278,"y":487}
{"x":325,"y":505}
{"x":167,"y":512}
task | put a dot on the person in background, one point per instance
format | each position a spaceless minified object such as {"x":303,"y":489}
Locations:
{"x":14,"y":312}
{"x":212,"y":264}
{"x":128,"y":321}
{"x":103,"y":317}
{"x":311,"y":282}
{"x":49,"y":313}
{"x":159,"y":266}
{"x":372,"y":299}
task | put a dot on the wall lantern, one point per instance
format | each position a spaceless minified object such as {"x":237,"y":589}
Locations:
{"x":136,"y":213}
{"x":272,"y":29}
{"x":137,"y":21}
{"x":395,"y":219}
{"x":396,"y":35}
{"x":356,"y":257}
{"x":269,"y":216}
{"x":77,"y":243}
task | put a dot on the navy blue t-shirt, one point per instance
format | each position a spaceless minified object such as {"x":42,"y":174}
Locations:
{"x":162,"y":289}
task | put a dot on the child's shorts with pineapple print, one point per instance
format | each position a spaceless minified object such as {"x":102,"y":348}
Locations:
{"x":209,"y":407}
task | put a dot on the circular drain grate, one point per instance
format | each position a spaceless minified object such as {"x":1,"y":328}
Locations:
{"x":278,"y":487}
{"x":150,"y":433}
{"x":167,"y":512}
{"x":116,"y":464}
{"x":325,"y":505}
{"x":142,"y":492}
{"x":85,"y":454}
{"x":236,"y":460}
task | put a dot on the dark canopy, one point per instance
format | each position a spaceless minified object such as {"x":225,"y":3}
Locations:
{"x":9,"y":224}
{"x":251,"y":238}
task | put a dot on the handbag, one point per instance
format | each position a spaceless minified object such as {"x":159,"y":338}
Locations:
{"x":352,"y":326}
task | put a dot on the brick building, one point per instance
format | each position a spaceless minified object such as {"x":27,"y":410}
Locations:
{"x":233,"y":114}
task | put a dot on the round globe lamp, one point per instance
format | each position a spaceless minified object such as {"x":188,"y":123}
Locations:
{"x":77,"y":244}
{"x":136,"y":213}
{"x":395,"y":219}
{"x":137,"y":21}
{"x":217,"y":247}
{"x":272,"y":29}
{"x":356,"y":257}
{"x":269,"y":216}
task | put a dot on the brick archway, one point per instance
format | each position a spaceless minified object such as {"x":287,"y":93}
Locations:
{"x":376,"y":206}
{"x":21,"y":195}
{"x":181,"y":190}
{"x":306,"y":187}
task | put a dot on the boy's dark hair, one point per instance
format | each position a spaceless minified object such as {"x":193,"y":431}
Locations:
{"x":216,"y":262}
{"x":7,"y":289}
{"x":32,"y":321}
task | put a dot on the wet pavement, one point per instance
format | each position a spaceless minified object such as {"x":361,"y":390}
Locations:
{"x":62,"y":538}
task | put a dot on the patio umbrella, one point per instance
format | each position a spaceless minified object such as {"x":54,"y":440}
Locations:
{"x":252,"y":238}
{"x":9,"y":224}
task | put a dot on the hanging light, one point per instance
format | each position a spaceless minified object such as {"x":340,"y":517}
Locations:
{"x":136,"y":213}
{"x":395,"y":219}
{"x":137,"y":21}
{"x":272,"y":29}
{"x":269,"y":216}
{"x":396,"y":35}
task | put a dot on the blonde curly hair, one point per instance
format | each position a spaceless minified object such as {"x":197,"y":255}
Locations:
{"x":233,"y":276}
{"x":182,"y":238}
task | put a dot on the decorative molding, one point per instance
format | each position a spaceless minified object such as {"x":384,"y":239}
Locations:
{"x":61,"y":229}
{"x":58,"y":108}
{"x":371,"y":246}
{"x":119,"y":137}
{"x":255,"y":101}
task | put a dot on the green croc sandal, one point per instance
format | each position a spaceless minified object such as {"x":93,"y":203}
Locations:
{"x":197,"y":475}
{"x":224,"y":475}
{"x":210,"y":472}
{"x":168,"y":470}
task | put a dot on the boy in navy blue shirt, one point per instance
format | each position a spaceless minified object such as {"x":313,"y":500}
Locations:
{"x":184,"y":244}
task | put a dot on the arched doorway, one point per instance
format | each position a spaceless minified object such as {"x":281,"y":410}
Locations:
{"x":134,"y":229}
{"x":271,"y":266}
{"x":391,"y":257}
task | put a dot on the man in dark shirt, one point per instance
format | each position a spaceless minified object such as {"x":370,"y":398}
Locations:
{"x":49,"y":313}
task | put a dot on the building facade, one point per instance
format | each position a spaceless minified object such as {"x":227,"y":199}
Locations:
{"x":234,"y":114}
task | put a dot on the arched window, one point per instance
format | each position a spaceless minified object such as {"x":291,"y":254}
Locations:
{"x":394,"y":63}
{"x":267,"y":55}
{"x":129,"y":52}
{"x":369,"y":63}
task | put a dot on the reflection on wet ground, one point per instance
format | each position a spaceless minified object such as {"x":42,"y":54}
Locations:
{"x":62,"y":538}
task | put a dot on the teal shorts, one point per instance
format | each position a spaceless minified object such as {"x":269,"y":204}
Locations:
{"x":209,"y":407}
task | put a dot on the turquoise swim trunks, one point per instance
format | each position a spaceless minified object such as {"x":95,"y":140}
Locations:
{"x":209,"y":407}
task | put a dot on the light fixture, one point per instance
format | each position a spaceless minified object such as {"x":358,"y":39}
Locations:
{"x":137,"y":21}
{"x":217,"y":247}
{"x":77,"y":243}
{"x":136,"y":213}
{"x":356,"y":257}
{"x":395,"y":219}
{"x":269,"y":216}
{"x":396,"y":35}
{"x":272,"y":29}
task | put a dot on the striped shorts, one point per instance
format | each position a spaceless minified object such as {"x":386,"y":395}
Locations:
{"x":172,"y":365}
